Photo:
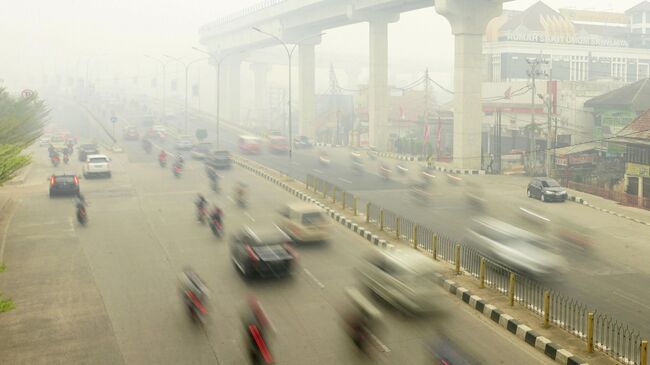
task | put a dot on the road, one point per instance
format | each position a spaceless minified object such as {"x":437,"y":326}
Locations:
{"x":108,"y":293}
{"x":608,"y":278}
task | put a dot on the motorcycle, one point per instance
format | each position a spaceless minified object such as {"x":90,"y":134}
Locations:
{"x":178,"y":171}
{"x":66,"y":159}
{"x":55,"y":161}
{"x":201,"y":214}
{"x":216,"y":227}
{"x":257,"y":328}
{"x":82,"y":215}
{"x":195,"y":307}
{"x":162,"y":162}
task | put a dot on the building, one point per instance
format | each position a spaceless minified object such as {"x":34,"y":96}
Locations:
{"x":636,"y":138}
{"x":578,"y":45}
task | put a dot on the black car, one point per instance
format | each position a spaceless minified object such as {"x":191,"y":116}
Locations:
{"x":302,"y":142}
{"x":64,"y":185}
{"x":218,"y":160}
{"x":264,"y":251}
{"x":546,"y":189}
{"x":87,"y":149}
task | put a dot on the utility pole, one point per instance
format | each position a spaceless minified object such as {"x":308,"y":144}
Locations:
{"x":426,"y":110}
{"x":549,"y":100}
{"x":534,"y":71}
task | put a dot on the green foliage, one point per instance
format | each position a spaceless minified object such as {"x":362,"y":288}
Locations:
{"x":6,"y":304}
{"x":3,"y":267}
{"x":21,"y":123}
{"x":201,"y":134}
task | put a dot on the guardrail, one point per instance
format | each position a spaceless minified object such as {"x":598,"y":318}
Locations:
{"x":600,"y":331}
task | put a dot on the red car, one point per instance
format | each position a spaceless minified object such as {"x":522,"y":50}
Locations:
{"x":249,"y":145}
{"x":278,"y":144}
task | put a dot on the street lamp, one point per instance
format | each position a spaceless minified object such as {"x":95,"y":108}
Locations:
{"x":217,"y":62}
{"x":289,"y":54}
{"x":548,"y":103}
{"x":164,"y":68}
{"x":187,"y":69}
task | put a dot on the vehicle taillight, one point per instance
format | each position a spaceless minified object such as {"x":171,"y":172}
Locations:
{"x":251,"y":254}
{"x":291,"y":250}
{"x":76,"y":180}
{"x":52,"y":180}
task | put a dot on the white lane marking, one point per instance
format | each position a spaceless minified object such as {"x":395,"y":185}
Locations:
{"x":318,"y":171}
{"x":534,"y":214}
{"x":345,"y":180}
{"x":383,"y":347}
{"x":631,"y":299}
{"x":249,"y":216}
{"x":314,"y":278}
{"x":273,"y":328}
{"x":231,"y":199}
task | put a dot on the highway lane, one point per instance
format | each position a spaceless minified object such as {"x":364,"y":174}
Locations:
{"x":607,"y":279}
{"x":142,"y":232}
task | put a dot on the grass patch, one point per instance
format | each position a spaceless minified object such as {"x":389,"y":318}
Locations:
{"x":6,"y":304}
{"x":3,"y":267}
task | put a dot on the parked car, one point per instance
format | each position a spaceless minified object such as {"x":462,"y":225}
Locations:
{"x":131,"y":133}
{"x":519,"y":250}
{"x":219,"y":160}
{"x":184,"y":143}
{"x":304,"y":222}
{"x":97,"y":165}
{"x":264,"y":251}
{"x":546,"y":190}
{"x":303,"y":142}
{"x":64,"y":184}
{"x":87,"y":149}
{"x":201,"y":151}
{"x":405,"y":279}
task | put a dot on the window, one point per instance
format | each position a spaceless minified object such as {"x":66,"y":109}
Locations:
{"x":643,"y":70}
{"x":579,"y":68}
{"x":619,"y":68}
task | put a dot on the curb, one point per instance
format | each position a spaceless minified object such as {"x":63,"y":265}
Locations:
{"x":579,"y":200}
{"x":522,"y":331}
{"x":398,"y":156}
{"x":458,"y":171}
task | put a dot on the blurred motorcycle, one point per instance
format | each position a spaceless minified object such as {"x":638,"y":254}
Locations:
{"x":178,"y":170}
{"x":257,"y":328}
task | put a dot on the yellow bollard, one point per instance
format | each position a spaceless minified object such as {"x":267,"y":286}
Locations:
{"x":547,"y":308}
{"x":457,"y":258}
{"x":334,"y":194}
{"x":415,"y":236}
{"x":354,"y":202}
{"x":590,"y":332}
{"x":381,"y":219}
{"x":434,"y":246}
{"x":368,"y":212}
{"x":511,"y":289}
{"x":644,"y":352}
{"x":397,"y":222}
{"x":345,"y":196}
{"x":481,"y":274}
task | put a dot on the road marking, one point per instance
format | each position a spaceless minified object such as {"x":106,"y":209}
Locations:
{"x":231,"y":199}
{"x":383,"y":347}
{"x":318,"y":171}
{"x":631,"y":299}
{"x":534,"y":214}
{"x":345,"y":180}
{"x":249,"y":216}
{"x":314,"y":278}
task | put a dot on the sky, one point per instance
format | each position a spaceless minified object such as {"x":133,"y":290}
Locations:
{"x":63,"y":36}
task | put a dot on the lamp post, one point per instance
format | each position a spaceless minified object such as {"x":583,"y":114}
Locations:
{"x":289,"y":55}
{"x":187,"y":69}
{"x":164,"y":68}
{"x":217,"y":62}
{"x":548,"y":102}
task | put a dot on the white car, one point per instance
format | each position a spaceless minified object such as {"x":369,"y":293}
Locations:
{"x":45,"y":141}
{"x":184,"y":143}
{"x":97,"y":165}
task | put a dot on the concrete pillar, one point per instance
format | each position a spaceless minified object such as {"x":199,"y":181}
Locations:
{"x":307,"y":89}
{"x":233,"y":75}
{"x":378,"y":82}
{"x":640,"y":190}
{"x":468,"y":19}
{"x":260,"y":73}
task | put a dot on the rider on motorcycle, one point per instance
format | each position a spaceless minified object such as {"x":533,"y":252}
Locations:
{"x":216,"y":215}
{"x":162,"y":156}
{"x":194,"y":291}
{"x":200,"y":202}
{"x":257,"y":327}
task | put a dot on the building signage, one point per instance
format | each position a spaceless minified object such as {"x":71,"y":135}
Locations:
{"x":572,"y":160}
{"x":635,"y":169}
{"x":542,"y":37}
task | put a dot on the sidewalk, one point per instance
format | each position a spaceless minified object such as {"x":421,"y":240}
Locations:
{"x":635,"y":214}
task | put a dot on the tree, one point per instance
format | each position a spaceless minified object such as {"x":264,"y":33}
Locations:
{"x":21,"y":123}
{"x":201,"y":134}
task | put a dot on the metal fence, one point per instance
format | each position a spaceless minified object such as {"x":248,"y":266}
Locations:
{"x":612,"y":337}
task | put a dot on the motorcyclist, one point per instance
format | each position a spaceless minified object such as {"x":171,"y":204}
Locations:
{"x":80,"y":205}
{"x":240,"y":190}
{"x":66,"y":158}
{"x":179,"y":160}
{"x":200,"y":203}
{"x":216,"y":215}
{"x":162,"y":156}
{"x":257,"y":327}
{"x":194,"y":292}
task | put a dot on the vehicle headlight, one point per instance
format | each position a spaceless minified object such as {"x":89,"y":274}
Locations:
{"x":562,"y":192}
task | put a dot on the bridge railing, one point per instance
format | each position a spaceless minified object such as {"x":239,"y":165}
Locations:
{"x":262,"y":5}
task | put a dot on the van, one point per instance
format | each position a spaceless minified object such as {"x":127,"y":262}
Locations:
{"x":304,"y":222}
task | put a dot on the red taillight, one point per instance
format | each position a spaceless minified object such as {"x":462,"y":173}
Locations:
{"x":52,"y":180}
{"x":261,"y":345}
{"x":251,"y":254}
{"x":291,"y":250}
{"x":76,"y":180}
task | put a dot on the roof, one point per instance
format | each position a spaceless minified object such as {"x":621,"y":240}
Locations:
{"x":634,"y":96}
{"x":642,"y":6}
{"x":302,"y":207}
{"x":579,"y":148}
{"x":638,"y":129}
{"x":97,"y":156}
{"x":531,"y":17}
{"x":267,"y":233}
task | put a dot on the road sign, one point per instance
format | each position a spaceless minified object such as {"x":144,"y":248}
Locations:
{"x":27,"y":93}
{"x":113,"y":119}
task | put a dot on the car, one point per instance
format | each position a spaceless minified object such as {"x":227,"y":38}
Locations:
{"x":405,"y":279}
{"x":184,"y":143}
{"x":45,"y":141}
{"x":97,"y":165}
{"x":131,"y":133}
{"x":303,"y":142}
{"x":63,"y":184}
{"x":304,"y":222}
{"x":87,"y":149}
{"x":262,"y":251}
{"x":70,"y":139}
{"x":546,"y":190}
{"x":200,"y":151}
{"x":278,"y":144}
{"x":249,"y":145}
{"x":517,"y":249}
{"x":219,"y":160}
{"x":57,"y":139}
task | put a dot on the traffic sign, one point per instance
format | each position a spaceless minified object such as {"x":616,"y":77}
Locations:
{"x":113,"y":119}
